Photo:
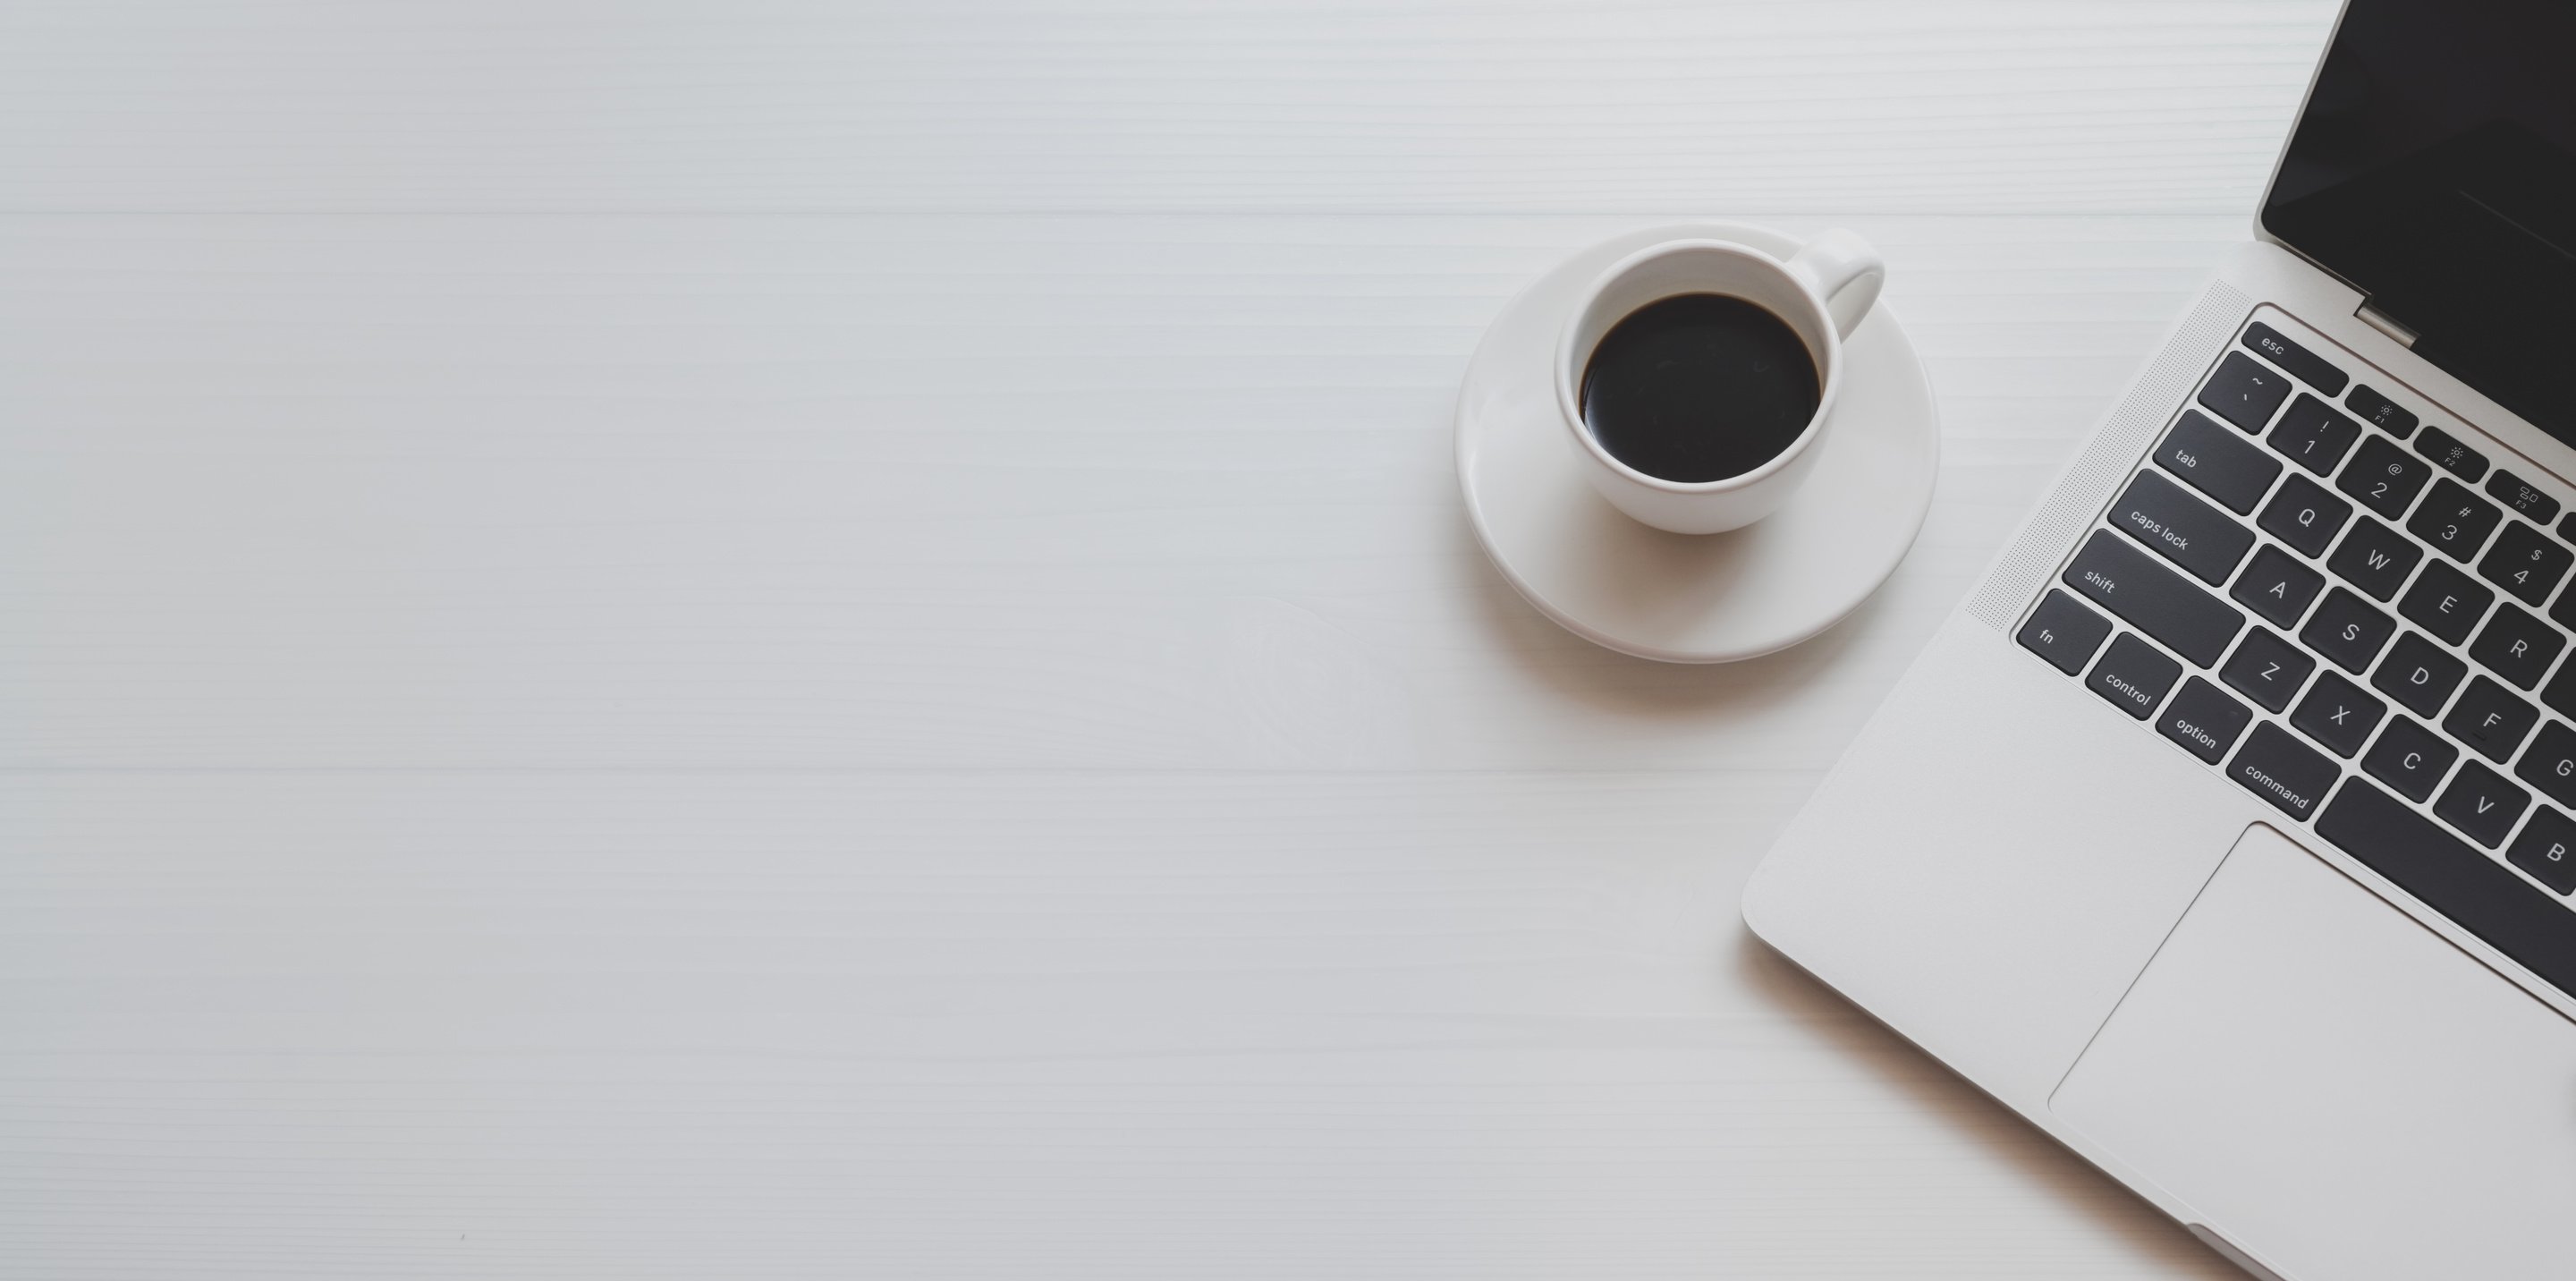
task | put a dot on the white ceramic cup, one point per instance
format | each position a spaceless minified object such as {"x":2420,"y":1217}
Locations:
{"x":1821,"y":294}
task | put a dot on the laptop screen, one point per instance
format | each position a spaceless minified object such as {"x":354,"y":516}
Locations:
{"x":2435,"y":169}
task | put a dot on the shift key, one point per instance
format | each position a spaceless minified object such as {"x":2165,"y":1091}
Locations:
{"x":2181,"y":528}
{"x":2155,"y":600}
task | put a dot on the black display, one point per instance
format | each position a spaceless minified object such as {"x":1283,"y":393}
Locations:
{"x":2435,"y":169}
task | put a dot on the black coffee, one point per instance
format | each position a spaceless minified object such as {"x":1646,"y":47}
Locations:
{"x":1699,"y":387}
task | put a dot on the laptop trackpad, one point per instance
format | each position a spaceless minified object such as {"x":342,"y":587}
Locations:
{"x":2336,"y":1088}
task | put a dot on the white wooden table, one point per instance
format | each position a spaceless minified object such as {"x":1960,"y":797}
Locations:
{"x":795,"y":639}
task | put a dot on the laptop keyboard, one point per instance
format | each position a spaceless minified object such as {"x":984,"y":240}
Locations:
{"x":2357,"y":616}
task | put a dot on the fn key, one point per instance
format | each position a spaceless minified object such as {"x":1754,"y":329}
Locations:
{"x":2063,"y":632}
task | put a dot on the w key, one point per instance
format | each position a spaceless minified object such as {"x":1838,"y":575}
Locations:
{"x":2181,"y":528}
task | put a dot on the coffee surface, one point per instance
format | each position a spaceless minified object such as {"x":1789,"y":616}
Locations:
{"x":1699,"y":387}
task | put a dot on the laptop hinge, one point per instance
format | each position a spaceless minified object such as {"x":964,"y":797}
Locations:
{"x":2386,"y":324}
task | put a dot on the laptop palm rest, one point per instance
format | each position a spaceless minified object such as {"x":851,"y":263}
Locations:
{"x":2304,"y":1065}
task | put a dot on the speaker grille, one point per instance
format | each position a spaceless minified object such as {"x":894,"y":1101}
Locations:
{"x":2047,"y":537}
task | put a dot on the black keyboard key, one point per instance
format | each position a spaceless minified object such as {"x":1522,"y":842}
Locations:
{"x":2560,"y":692}
{"x":2205,"y":721}
{"x":2517,"y":646}
{"x":2455,"y":521}
{"x":2490,"y":720}
{"x":2347,"y":630}
{"x":2419,"y":674}
{"x":2313,"y":435}
{"x":2276,"y":586}
{"x":2525,"y":563}
{"x":2452,"y":454}
{"x":2481,"y":803}
{"x":2307,"y":366}
{"x":2063,"y":632}
{"x":2267,"y":669}
{"x":2163,"y":604}
{"x":2475,"y":892}
{"x":2337,"y":714}
{"x":2410,"y":758}
{"x":2567,"y":528}
{"x":2244,"y":391}
{"x":2446,"y":602}
{"x":2384,"y":477}
{"x":2547,"y":850}
{"x":2133,"y":676}
{"x":2181,"y":528}
{"x":2381,"y":412}
{"x":2304,"y":515}
{"x":2515,"y":492}
{"x":2218,"y":463}
{"x":2374,"y":558}
{"x":2550,"y":765}
{"x":2290,"y":774}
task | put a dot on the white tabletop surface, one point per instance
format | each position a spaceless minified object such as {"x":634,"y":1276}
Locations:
{"x":778,"y":638}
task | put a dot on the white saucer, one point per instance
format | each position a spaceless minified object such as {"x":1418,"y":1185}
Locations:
{"x":1683,"y":598}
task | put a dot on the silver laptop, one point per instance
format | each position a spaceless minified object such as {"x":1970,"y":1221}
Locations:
{"x":2227,"y":831}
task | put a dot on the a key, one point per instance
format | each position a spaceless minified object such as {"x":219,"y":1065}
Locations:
{"x":2481,"y":804}
{"x":2515,"y":492}
{"x":2219,"y":463}
{"x":2419,"y":674}
{"x":2113,"y":573}
{"x":2381,"y":412}
{"x":2063,"y":632}
{"x":2374,"y":558}
{"x":2422,"y":858}
{"x":2267,"y":669}
{"x":2517,"y":646}
{"x":2205,"y":721}
{"x":2410,"y":758}
{"x":2313,"y":435}
{"x":2276,"y":586}
{"x":2525,"y":563}
{"x":2490,"y":720}
{"x":2550,"y":765}
{"x":2446,"y":602}
{"x":2290,"y":774}
{"x":2244,"y":392}
{"x":2181,"y":528}
{"x":2347,"y":630}
{"x":2451,"y":454}
{"x":2337,"y":714}
{"x":2132,"y":676}
{"x":2383,"y":477}
{"x":2308,"y":366}
{"x":2455,"y":521}
{"x":2547,"y":850}
{"x":2304,"y":515}
{"x":2567,"y":527}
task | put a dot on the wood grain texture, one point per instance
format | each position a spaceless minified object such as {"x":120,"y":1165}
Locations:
{"x":1471,"y":106}
{"x":892,"y":492}
{"x":802,"y":640}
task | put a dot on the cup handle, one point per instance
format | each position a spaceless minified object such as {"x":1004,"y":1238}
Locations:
{"x":1845,"y":271}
